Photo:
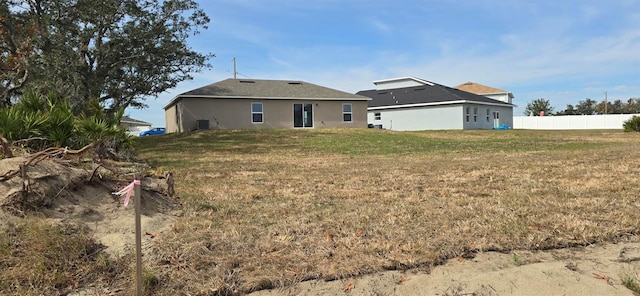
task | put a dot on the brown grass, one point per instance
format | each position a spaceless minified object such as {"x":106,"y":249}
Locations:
{"x":268,"y":209}
{"x":38,"y":258}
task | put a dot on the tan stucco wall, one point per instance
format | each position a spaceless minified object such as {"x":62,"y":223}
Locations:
{"x":171,"y":123}
{"x":236,"y":114}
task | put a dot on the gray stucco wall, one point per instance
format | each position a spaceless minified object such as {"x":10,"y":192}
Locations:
{"x":419,"y":118}
{"x":485,"y":116}
{"x":443,"y":117}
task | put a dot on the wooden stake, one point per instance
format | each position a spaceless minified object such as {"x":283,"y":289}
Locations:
{"x":26,"y":184}
{"x":137,"y":197}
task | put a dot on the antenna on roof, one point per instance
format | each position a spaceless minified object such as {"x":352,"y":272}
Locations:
{"x":234,"y":68}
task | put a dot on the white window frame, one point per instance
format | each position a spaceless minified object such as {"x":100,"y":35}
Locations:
{"x":377,"y":116}
{"x":350,"y":112}
{"x":467,"y":111}
{"x":255,"y":112}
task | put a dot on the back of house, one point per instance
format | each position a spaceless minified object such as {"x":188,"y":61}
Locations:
{"x":265,"y":104}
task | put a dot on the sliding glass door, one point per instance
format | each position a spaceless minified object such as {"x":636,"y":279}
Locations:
{"x":303,"y":115}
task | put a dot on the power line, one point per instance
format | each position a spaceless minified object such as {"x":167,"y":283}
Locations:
{"x":244,"y":75}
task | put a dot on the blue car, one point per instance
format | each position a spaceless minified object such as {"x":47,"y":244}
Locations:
{"x":154,"y":131}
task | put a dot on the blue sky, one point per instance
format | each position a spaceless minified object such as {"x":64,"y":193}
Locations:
{"x":562,"y":50}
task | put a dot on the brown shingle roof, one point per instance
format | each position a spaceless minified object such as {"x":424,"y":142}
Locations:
{"x":479,"y":89}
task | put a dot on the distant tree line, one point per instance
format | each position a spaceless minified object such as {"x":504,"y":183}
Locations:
{"x":586,"y":107}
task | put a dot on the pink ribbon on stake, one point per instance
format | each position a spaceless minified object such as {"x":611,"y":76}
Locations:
{"x":127,"y":191}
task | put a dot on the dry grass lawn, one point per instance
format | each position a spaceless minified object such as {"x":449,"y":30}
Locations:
{"x":265,"y":209}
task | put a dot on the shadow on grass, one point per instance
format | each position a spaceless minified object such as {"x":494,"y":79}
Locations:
{"x":363,"y":142}
{"x":225,"y":141}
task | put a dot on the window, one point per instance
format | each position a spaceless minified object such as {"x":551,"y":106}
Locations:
{"x":346,"y":113}
{"x":377,"y":116}
{"x":467,"y":114}
{"x":256,"y":113}
{"x":475,"y":114}
{"x":488,"y":114}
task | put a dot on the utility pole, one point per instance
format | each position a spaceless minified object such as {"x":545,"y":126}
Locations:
{"x":234,"y":68}
{"x":605,"y":103}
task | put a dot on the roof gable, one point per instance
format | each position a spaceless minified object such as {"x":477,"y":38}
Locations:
{"x":128,"y":120}
{"x":400,"y":82}
{"x":425,"y":94}
{"x":480,"y":89}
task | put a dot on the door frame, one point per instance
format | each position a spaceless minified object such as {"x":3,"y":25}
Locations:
{"x":303,"y":105}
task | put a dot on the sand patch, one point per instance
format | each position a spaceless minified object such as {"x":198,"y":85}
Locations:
{"x":592,"y":270}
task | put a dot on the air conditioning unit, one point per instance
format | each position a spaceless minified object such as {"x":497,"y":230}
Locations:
{"x":202,"y":124}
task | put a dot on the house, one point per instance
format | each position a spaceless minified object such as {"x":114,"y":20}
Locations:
{"x":487,"y":91}
{"x":409,"y":104}
{"x":134,"y":126}
{"x":261,"y":104}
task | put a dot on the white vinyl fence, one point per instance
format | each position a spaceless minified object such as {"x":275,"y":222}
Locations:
{"x":570,"y":122}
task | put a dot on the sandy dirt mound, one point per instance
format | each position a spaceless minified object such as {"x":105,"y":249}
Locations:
{"x":109,"y":221}
{"x":46,"y":181}
{"x":63,"y":193}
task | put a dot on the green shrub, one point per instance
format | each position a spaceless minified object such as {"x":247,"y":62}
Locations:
{"x":60,"y":126}
{"x":632,"y":125}
{"x":42,"y":121}
{"x":11,"y":124}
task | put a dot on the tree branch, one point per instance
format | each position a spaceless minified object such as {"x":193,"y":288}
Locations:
{"x":6,"y":149}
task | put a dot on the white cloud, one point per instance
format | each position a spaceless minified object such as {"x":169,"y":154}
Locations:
{"x":620,"y":88}
{"x":380,"y":26}
{"x":564,"y":51}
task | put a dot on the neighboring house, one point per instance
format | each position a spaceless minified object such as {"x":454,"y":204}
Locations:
{"x":409,"y":104}
{"x":259,"y":104}
{"x":487,"y":91}
{"x":134,"y":126}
